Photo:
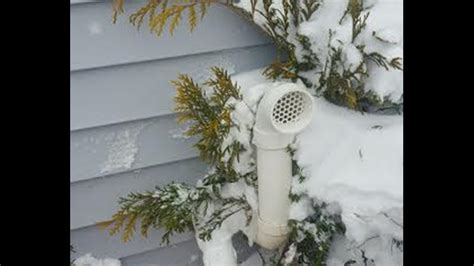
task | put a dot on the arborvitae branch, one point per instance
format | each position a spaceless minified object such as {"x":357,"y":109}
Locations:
{"x":160,"y":13}
{"x":382,"y":61}
{"x":168,"y":207}
{"x":309,"y":7}
{"x":312,"y":238}
{"x":210,"y":118}
{"x":342,"y":88}
{"x":355,"y":9}
{"x":175,"y":207}
{"x":117,"y":7}
{"x":229,"y":207}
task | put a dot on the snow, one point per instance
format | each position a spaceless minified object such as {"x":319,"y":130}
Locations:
{"x":244,"y":118}
{"x":353,"y":162}
{"x":327,"y":18}
{"x":89,"y":260}
{"x":388,"y":35}
{"x":179,"y":133}
{"x":385,"y":83}
{"x":352,"y":57}
{"x":385,"y":22}
{"x":381,"y":250}
{"x":219,"y":250}
{"x":340,"y":145}
{"x":123,"y":149}
{"x":356,"y":161}
{"x":290,"y":255}
{"x":246,"y":5}
{"x":301,"y":209}
{"x":385,"y":19}
{"x":383,"y":34}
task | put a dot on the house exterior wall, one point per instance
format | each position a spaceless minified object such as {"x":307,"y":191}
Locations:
{"x":124,"y":135}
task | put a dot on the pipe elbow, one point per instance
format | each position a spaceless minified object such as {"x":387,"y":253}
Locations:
{"x":281,"y":113}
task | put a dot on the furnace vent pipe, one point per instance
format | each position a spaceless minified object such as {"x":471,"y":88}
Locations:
{"x":282,"y":112}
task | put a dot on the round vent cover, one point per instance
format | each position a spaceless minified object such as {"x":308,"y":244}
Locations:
{"x":290,"y":110}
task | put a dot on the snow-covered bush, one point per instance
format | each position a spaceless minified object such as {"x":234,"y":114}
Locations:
{"x":225,"y":201}
{"x":348,"y":51}
{"x":340,"y":48}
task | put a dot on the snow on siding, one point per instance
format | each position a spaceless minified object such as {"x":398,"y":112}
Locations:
{"x":123,"y":149}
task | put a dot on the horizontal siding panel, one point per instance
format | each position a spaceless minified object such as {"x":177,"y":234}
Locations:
{"x":96,"y":42}
{"x":94,"y":240}
{"x":184,"y":253}
{"x":136,"y":91}
{"x":74,"y":2}
{"x":96,"y":200}
{"x":127,"y":146}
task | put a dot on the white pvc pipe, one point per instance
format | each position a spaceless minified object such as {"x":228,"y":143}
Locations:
{"x":274,"y":182}
{"x":282,"y":112}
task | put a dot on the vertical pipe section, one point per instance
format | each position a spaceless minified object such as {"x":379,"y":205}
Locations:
{"x":282,"y":112}
{"x":274,"y":182}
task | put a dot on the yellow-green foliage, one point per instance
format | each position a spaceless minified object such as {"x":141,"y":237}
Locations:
{"x":177,"y":207}
{"x":166,"y":12}
{"x":174,"y":208}
{"x":345,"y":89}
{"x":164,"y":208}
{"x":207,"y":109}
{"x":209,"y":116}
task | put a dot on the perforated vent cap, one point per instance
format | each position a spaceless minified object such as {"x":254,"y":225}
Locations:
{"x":283,"y":110}
{"x":289,"y":108}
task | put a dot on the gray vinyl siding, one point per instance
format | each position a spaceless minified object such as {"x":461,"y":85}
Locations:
{"x":124,"y":135}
